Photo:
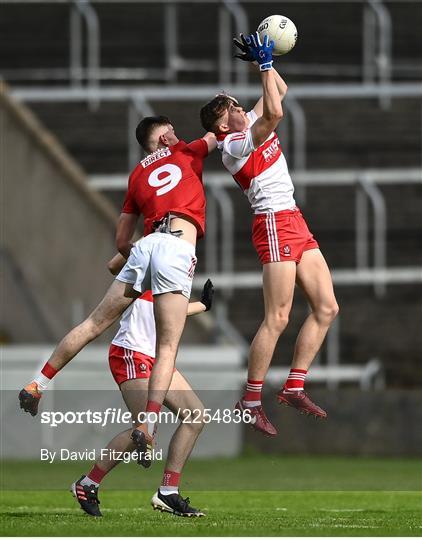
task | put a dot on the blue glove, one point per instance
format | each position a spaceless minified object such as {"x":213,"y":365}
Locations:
{"x":244,"y":48}
{"x":262,"y":53}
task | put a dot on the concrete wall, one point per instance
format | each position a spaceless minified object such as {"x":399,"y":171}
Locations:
{"x":56,"y":234}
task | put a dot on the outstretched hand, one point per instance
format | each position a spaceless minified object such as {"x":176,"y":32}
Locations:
{"x":207,"y":294}
{"x":241,"y":44}
{"x":262,"y":52}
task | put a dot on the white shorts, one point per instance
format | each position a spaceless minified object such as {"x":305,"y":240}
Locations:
{"x":161,"y":263}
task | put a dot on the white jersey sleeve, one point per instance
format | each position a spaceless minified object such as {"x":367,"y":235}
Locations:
{"x":240,"y":144}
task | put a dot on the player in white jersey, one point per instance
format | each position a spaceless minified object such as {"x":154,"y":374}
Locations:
{"x":131,"y":358}
{"x":252,"y":153}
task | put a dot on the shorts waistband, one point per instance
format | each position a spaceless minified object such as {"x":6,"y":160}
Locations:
{"x":172,"y":238}
{"x":288,"y":212}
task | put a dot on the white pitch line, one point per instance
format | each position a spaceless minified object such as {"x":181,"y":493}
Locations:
{"x":342,"y":509}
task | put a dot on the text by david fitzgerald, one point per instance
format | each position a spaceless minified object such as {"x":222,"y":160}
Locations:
{"x":64,"y":454}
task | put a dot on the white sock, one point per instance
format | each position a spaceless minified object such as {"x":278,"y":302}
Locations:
{"x":151,"y":419}
{"x":86,"y":481}
{"x":42,"y":382}
{"x":168,"y":490}
{"x":251,"y":403}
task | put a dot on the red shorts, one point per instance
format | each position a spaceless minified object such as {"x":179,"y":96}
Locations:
{"x":281,"y":236}
{"x":126,"y":364}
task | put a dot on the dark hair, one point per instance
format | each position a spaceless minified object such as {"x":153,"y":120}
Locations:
{"x":213,"y":110}
{"x":146,"y":127}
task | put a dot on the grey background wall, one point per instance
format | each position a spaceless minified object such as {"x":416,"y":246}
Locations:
{"x":56,"y":235}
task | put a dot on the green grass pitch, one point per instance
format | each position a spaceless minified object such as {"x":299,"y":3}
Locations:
{"x":285,"y":496}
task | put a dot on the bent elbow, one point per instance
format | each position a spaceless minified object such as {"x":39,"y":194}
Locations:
{"x":123,"y":247}
{"x":283,"y":92}
{"x":120,"y":244}
{"x":277,"y":115}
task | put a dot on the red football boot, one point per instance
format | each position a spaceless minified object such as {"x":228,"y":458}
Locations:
{"x":259,"y":420}
{"x":300,"y":401}
{"x":29,"y":398}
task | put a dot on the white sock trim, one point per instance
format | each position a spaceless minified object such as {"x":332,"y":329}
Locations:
{"x":168,"y":490}
{"x":86,"y":481}
{"x":251,"y":403}
{"x":42,"y":382}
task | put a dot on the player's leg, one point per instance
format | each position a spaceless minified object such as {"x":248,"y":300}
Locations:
{"x":278,"y":288}
{"x":173,"y":263}
{"x":118,"y":297}
{"x":170,"y":311}
{"x":182,"y":401}
{"x":313,"y":277}
{"x":134,"y":393}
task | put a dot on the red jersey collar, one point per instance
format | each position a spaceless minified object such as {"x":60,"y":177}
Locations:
{"x":179,"y":145}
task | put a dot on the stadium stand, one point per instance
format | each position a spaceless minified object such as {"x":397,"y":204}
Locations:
{"x":364,"y":132}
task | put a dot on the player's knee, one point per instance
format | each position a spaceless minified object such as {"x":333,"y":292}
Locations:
{"x":198,"y":426}
{"x":166,"y":350}
{"x":278,"y":321}
{"x":327,"y":312}
{"x":198,"y":420}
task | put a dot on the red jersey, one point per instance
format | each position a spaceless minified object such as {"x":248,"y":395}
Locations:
{"x":169,"y":180}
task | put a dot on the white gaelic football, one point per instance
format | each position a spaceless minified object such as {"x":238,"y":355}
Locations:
{"x":281,"y":30}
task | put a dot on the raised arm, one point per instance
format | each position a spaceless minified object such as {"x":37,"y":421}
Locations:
{"x":281,"y":85}
{"x":272,"y":112}
{"x":246,"y":54}
{"x":271,"y":103}
{"x":211,"y":141}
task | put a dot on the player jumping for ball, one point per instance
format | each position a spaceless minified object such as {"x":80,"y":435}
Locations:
{"x":166,"y":187}
{"x":289,"y":253}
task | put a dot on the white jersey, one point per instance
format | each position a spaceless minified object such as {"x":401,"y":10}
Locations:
{"x":137,"y":326}
{"x":261,"y":173}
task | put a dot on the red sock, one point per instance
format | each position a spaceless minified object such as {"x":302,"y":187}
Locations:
{"x":44,"y":377}
{"x":253,"y":390}
{"x":153,"y":406}
{"x":296,"y":380}
{"x":96,"y":474}
{"x":170,"y":478}
{"x":49,"y":371}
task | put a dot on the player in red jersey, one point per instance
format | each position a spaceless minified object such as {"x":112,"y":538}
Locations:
{"x":166,"y":187}
{"x":131,"y":359}
{"x":287,"y":249}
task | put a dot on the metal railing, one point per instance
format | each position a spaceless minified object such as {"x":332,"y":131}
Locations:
{"x":219,"y":255}
{"x":83,"y":9}
{"x":220,"y":210}
{"x":367,"y":184}
{"x":366,"y":181}
{"x":140,"y":104}
{"x":377,"y":61}
{"x":376,"y":46}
